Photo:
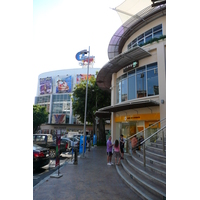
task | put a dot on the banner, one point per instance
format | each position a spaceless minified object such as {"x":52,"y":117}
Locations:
{"x":83,"y":77}
{"x":64,"y":85}
{"x":46,"y":85}
{"x":58,"y":119}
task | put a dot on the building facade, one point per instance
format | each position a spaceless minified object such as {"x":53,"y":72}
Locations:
{"x":136,"y":73}
{"x":54,"y":91}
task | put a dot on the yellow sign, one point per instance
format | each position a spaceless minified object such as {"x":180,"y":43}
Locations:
{"x":138,"y":117}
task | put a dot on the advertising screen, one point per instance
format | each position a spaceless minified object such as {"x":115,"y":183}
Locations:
{"x":46,"y":85}
{"x":64,"y":85}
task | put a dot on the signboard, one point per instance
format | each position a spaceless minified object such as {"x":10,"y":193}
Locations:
{"x":64,"y":85}
{"x":46,"y":85}
{"x":58,"y":119}
{"x":83,"y":77}
{"x":58,"y":136}
{"x":131,"y":66}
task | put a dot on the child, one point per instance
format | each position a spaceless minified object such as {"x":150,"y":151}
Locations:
{"x":117,"y":152}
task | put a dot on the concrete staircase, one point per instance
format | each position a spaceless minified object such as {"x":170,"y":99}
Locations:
{"x":147,"y":182}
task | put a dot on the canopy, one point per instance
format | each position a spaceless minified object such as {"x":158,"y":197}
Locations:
{"x":129,"y":8}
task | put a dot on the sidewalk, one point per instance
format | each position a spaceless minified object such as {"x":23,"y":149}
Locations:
{"x":92,"y":178}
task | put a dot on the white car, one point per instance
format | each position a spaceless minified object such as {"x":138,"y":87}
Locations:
{"x":73,"y":141}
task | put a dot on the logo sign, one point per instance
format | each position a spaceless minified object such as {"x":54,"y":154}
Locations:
{"x":81,"y":55}
{"x":131,"y":66}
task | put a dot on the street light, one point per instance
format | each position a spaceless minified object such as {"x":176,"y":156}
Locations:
{"x":80,"y":56}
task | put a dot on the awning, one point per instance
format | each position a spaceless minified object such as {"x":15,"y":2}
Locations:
{"x":102,"y":114}
{"x":129,"y":105}
{"x":119,"y":62}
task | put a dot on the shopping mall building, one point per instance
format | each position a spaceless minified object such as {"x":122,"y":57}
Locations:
{"x":136,"y":73}
{"x":54,"y":90}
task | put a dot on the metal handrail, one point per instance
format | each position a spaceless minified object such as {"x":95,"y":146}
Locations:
{"x":145,"y":129}
{"x":153,"y":134}
{"x":144,"y":141}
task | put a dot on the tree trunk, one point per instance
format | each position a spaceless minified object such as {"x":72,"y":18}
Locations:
{"x":102,"y":135}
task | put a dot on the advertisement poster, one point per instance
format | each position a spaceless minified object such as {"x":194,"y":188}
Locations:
{"x":46,"y":85}
{"x":64,"y":85}
{"x":58,"y":119}
{"x":83,"y":77}
{"x":57,"y":147}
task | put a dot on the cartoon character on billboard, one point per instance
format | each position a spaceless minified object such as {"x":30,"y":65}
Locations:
{"x":64,"y":85}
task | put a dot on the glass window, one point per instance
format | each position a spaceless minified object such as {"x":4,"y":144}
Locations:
{"x":148,"y":32}
{"x":156,"y":28}
{"x":152,"y":82}
{"x":141,"y":85}
{"x":119,"y":92}
{"x":131,"y":72}
{"x":141,"y":69}
{"x":141,"y":36}
{"x":148,"y":38}
{"x":157,"y":34}
{"x":124,"y":90}
{"x":152,"y":66}
{"x":131,"y":87}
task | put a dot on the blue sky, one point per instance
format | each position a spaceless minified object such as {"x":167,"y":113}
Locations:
{"x":62,"y":28}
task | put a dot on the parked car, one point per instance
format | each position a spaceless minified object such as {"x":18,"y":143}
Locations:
{"x":46,"y":140}
{"x":73,"y":141}
{"x":40,"y":156}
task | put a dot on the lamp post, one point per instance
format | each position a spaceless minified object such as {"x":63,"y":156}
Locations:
{"x":86,"y":103}
{"x":80,"y":56}
{"x":96,"y":118}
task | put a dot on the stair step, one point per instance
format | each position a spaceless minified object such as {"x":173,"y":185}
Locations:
{"x":134,"y":185}
{"x":157,"y":145}
{"x":152,"y":155}
{"x":156,"y":150}
{"x":153,"y":176}
{"x":147,"y":184}
{"x":149,"y":163}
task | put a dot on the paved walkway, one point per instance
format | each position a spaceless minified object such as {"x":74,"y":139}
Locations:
{"x":92,"y":178}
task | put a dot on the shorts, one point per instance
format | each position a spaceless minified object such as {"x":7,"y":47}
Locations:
{"x":122,"y":150}
{"x":109,"y":154}
{"x":117,"y":154}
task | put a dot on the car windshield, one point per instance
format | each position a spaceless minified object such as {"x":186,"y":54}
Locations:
{"x":35,"y":146}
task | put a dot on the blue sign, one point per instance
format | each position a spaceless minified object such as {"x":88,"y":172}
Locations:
{"x":81,"y":55}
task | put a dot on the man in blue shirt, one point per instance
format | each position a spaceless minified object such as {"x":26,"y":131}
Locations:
{"x":109,"y":151}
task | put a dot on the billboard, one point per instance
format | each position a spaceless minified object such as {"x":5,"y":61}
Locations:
{"x":83,"y":77}
{"x":58,"y":119}
{"x":64,"y":85}
{"x":46,"y":85}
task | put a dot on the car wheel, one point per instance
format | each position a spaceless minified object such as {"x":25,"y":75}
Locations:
{"x":52,"y":153}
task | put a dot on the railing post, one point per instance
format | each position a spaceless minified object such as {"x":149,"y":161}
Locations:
{"x":163,"y":143}
{"x":144,"y":156}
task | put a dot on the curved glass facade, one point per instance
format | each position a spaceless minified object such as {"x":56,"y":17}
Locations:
{"x":138,"y":83}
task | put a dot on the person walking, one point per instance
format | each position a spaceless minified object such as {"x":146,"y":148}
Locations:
{"x":122,"y":146}
{"x":117,"y":152}
{"x":109,"y":151}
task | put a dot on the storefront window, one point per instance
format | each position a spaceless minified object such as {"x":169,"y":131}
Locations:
{"x":141,"y":84}
{"x":124,"y":90}
{"x":131,"y":87}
